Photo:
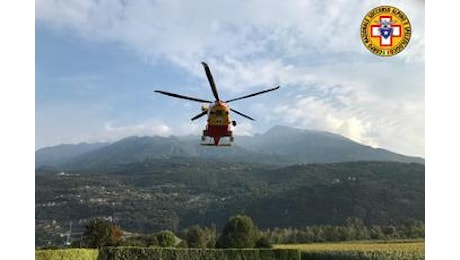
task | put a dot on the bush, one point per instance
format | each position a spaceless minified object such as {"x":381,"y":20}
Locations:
{"x":166,"y":239}
{"x":99,"y":233}
{"x":263,"y":243}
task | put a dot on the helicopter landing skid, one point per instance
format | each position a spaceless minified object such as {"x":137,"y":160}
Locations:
{"x":217,"y":141}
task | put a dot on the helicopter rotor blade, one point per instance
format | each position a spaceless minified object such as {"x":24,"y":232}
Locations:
{"x":253,"y":94}
{"x":199,"y":115}
{"x":241,"y":114}
{"x":211,"y":81}
{"x":183,"y":97}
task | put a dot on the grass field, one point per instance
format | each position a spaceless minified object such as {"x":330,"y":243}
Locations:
{"x":414,"y":249}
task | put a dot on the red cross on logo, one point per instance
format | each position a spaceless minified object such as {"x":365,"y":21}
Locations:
{"x":385,"y":30}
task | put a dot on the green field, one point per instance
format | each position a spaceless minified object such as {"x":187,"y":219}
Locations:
{"x":68,"y":254}
{"x":414,"y":249}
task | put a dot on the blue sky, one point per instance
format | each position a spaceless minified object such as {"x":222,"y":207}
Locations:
{"x":97,"y":64}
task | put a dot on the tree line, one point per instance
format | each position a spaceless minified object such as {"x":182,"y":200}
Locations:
{"x":241,"y":232}
{"x":354,"y":229}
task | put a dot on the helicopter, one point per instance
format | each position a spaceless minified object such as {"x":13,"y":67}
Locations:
{"x":219,"y":124}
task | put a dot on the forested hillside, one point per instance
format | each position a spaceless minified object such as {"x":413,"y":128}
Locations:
{"x":174,"y":193}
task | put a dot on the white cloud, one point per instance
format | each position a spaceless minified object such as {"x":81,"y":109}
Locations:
{"x":243,"y":129}
{"x":189,"y":128}
{"x":394,"y":123}
{"x":145,"y":128}
{"x":310,"y":48}
{"x":184,"y":30}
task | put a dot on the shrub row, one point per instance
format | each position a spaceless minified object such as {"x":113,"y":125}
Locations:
{"x":126,"y":253}
{"x":151,"y":253}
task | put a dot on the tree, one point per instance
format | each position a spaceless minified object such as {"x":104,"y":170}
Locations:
{"x":263,"y":243}
{"x":153,"y":240}
{"x":138,"y":240}
{"x":355,"y":229}
{"x":211,"y":236}
{"x":166,"y":238}
{"x":99,"y":233}
{"x":239,"y":232}
{"x":376,"y":232}
{"x":196,"y":237}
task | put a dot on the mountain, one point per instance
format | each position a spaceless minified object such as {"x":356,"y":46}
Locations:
{"x":57,"y":155}
{"x":280,"y":145}
{"x":311,"y":146}
{"x":133,"y":149}
{"x":316,"y":194}
{"x":174,"y":193}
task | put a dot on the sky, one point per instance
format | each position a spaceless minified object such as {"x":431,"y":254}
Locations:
{"x":97,"y":64}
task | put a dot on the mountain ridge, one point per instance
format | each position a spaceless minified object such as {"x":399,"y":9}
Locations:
{"x":279,"y":145}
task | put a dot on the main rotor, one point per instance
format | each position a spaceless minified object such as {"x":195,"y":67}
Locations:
{"x":215,"y":94}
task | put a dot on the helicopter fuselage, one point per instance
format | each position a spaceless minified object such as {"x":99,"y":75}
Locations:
{"x":219,"y":114}
{"x":219,"y":123}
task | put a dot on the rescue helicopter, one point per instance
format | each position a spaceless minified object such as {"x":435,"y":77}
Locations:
{"x":219,"y":125}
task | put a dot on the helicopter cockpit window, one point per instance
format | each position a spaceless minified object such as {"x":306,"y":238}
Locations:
{"x":219,"y":112}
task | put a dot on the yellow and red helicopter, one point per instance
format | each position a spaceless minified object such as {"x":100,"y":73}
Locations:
{"x":219,"y":122}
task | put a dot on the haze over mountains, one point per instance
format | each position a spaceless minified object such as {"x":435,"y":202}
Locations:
{"x":280,"y":145}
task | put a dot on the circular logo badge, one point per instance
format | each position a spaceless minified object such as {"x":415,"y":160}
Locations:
{"x":385,"y":31}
